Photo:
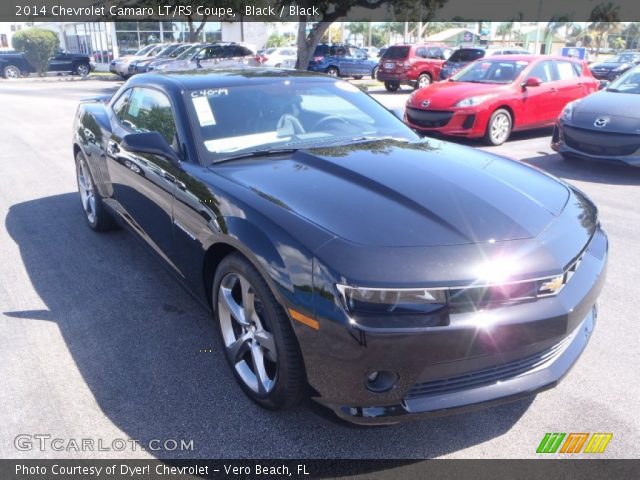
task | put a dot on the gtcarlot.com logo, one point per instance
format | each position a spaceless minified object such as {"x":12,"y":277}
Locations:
{"x":573,"y":442}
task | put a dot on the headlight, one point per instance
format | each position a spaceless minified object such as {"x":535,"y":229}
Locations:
{"x":391,"y":301}
{"x":567,"y":111}
{"x":624,"y":66}
{"x":473,"y":101}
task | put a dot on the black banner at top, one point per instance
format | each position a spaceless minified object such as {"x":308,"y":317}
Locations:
{"x":320,"y":10}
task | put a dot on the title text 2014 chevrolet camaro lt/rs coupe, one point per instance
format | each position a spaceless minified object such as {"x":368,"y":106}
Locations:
{"x":343,"y":257}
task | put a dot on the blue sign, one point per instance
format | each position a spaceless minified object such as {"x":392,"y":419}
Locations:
{"x":574,"y":52}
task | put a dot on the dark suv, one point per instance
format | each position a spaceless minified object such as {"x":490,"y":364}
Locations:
{"x":343,"y":61}
{"x":14,"y":64}
{"x":464,"y":56}
{"x":414,"y":65}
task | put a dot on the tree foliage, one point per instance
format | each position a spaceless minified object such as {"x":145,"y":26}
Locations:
{"x":38,"y":46}
{"x":332,"y":10}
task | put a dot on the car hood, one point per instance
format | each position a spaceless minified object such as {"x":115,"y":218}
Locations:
{"x":447,"y":94}
{"x":401,"y":194}
{"x":622,"y":110}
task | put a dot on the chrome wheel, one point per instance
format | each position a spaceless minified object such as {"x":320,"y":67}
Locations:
{"x":251,"y":347}
{"x":500,"y":128}
{"x":333,"y":71}
{"x":85,"y":186}
{"x":82,"y":70}
{"x":11,"y":72}
{"x":424,"y":80}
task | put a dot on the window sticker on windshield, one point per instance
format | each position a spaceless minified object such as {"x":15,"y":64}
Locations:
{"x":134,"y":108}
{"x":347,"y":87}
{"x":210,"y":92}
{"x":203,"y":111}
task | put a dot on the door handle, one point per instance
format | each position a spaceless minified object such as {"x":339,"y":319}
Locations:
{"x":113,"y":147}
{"x":553,"y":90}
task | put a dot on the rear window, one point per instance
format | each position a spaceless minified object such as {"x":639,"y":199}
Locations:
{"x":466,"y":55}
{"x":397,"y":53}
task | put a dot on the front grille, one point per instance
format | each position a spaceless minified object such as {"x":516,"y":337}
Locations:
{"x":601,"y":143}
{"x":428,"y":118}
{"x":488,"y":376}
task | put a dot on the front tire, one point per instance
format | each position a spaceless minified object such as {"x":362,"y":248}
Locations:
{"x":498,"y":128}
{"x":11,"y":72}
{"x":391,"y":86}
{"x":95,"y":212}
{"x":258,"y":339}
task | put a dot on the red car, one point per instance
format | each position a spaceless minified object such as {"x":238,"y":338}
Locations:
{"x":414,"y":65}
{"x":494,"y":96}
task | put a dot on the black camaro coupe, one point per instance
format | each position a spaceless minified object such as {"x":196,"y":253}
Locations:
{"x":604,"y":125}
{"x":343,"y":257}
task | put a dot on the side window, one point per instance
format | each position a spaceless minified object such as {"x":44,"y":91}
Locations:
{"x":543,"y":71}
{"x":120,"y":106}
{"x":421,"y":52}
{"x":150,"y":111}
{"x":565,"y":70}
{"x":577,"y":68}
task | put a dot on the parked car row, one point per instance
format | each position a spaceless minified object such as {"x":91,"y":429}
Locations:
{"x":14,"y":64}
{"x":180,"y":56}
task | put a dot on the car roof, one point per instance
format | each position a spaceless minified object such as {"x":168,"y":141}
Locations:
{"x":224,"y":77}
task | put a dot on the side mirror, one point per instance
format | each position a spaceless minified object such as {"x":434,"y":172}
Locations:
{"x":532,"y":82}
{"x":149,"y":142}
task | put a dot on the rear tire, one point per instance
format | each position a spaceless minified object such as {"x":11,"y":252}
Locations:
{"x":98,"y":218}
{"x":11,"y":72}
{"x":391,"y":86}
{"x":333,"y":71}
{"x":82,"y":69}
{"x":424,"y":80}
{"x":255,"y":330}
{"x":374,"y":73}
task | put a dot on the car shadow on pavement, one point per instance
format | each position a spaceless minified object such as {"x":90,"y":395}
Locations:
{"x":150,"y":355}
{"x":586,"y":170}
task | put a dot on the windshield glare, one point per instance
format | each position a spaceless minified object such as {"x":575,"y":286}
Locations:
{"x":627,"y":83}
{"x":287,"y":114}
{"x":491,"y":71}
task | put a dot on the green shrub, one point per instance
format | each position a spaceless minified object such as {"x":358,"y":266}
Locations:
{"x":38,"y":46}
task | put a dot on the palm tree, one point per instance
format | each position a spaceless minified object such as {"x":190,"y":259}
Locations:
{"x":505,"y":29}
{"x":604,"y":18}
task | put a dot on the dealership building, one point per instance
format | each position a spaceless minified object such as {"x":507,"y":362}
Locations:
{"x":108,"y":40}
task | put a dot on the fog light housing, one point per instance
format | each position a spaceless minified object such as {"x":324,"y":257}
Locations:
{"x":379,"y":381}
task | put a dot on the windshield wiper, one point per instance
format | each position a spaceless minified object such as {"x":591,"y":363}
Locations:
{"x":257,"y":153}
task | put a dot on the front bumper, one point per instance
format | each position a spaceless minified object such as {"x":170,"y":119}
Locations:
{"x":476,"y":360}
{"x":460,"y":122}
{"x":402,"y":78}
{"x":602,"y":147}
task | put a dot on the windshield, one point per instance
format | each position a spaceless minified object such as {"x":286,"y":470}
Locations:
{"x":296,"y":113}
{"x":396,"y":53}
{"x":466,"y":55}
{"x":144,"y":50}
{"x":491,"y":71}
{"x":188,"y":53}
{"x":168,"y":50}
{"x":624,"y":58}
{"x":627,"y":83}
{"x":181,"y":49}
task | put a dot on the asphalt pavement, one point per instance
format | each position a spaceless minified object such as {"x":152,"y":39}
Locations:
{"x":97,"y":341}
